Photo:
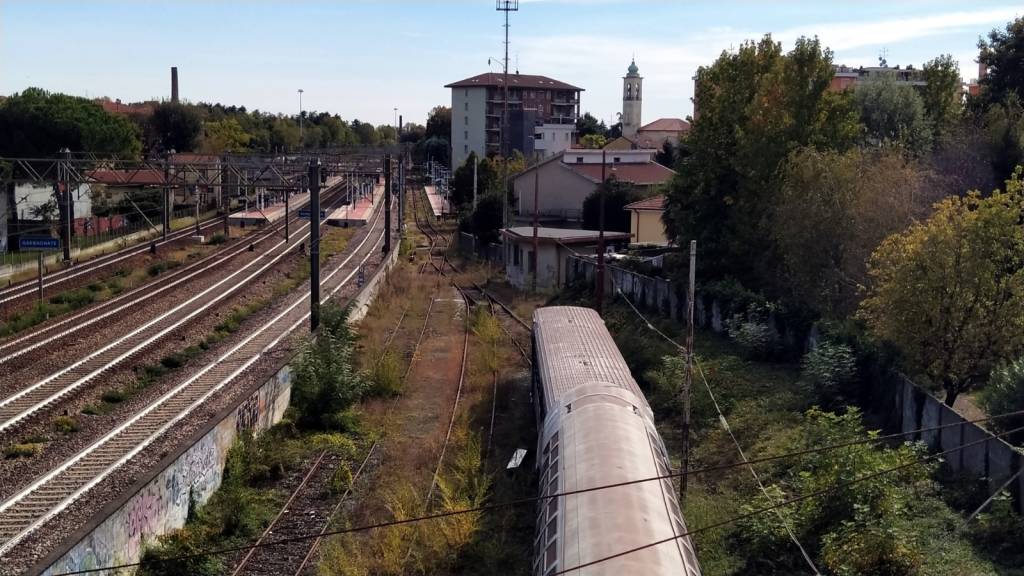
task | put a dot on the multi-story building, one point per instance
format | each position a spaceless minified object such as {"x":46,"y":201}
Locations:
{"x":542,"y":115}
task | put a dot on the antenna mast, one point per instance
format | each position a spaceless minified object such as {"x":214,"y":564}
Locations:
{"x":505,"y":6}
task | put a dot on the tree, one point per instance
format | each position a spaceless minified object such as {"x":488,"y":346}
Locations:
{"x":949,"y":292}
{"x":757,"y":104}
{"x":365,"y":133}
{"x":486,"y":220}
{"x":616,"y":195}
{"x":941,"y":93}
{"x":439,"y":123}
{"x":1003,"y":394}
{"x":461,"y":183}
{"x":1004,"y":123}
{"x":588,"y":124}
{"x":1003,"y":55}
{"x":593,"y":141}
{"x":224,"y":136}
{"x":893,"y":113}
{"x":860,"y":529}
{"x":36,"y":123}
{"x":176,"y":126}
{"x":834,"y":209}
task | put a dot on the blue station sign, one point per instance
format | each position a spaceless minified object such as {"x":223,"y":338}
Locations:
{"x":305,"y":213}
{"x":38,"y":243}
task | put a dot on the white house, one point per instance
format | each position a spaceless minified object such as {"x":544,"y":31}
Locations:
{"x":554,"y":246}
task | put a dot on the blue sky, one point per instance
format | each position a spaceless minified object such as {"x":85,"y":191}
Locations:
{"x":363,"y":59}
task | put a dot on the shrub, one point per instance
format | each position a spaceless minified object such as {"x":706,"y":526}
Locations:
{"x":756,"y":338}
{"x":177,"y":553}
{"x":666,"y":385}
{"x":1005,"y":393}
{"x":386,"y":376}
{"x":341,"y":479}
{"x":22,"y":450}
{"x":156,"y":268}
{"x":95,"y":287}
{"x":326,"y":381}
{"x":74,"y":298}
{"x":830,"y":369}
{"x":114,"y":396}
{"x":65,"y":424}
{"x":172,"y":361}
{"x":217,"y":239}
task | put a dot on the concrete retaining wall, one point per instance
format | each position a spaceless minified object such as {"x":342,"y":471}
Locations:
{"x":159,"y":502}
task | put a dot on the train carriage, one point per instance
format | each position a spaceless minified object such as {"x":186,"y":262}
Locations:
{"x":596,"y":428}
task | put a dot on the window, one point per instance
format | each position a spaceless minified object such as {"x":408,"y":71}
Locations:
{"x":531,"y":262}
{"x":465,"y":134}
{"x":516,"y":255}
{"x":465,"y":106}
{"x":466,"y":93}
{"x":538,"y":136}
{"x":616,"y":159}
{"x":567,"y":135}
{"x":465,"y":148}
{"x":579,"y":159}
{"x":466,"y":120}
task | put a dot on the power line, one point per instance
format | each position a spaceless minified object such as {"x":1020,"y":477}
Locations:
{"x":728,"y":429}
{"x":535,"y":499}
{"x":778,"y":505}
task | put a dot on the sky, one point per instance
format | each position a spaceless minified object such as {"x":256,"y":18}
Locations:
{"x":363,"y":59}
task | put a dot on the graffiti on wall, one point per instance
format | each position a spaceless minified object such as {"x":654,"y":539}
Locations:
{"x":162,"y":505}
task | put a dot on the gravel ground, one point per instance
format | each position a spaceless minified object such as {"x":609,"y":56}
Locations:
{"x":60,"y":527}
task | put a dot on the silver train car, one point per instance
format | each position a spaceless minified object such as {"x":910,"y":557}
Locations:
{"x":596,"y":428}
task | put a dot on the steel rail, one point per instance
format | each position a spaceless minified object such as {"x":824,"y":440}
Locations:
{"x":27,"y":401}
{"x":56,"y":490}
{"x":138,"y":295}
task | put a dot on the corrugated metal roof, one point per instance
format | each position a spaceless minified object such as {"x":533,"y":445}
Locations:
{"x":574,"y":349}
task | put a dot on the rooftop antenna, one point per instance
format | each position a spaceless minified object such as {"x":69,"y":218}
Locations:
{"x":881,"y":57}
{"x":517,"y":62}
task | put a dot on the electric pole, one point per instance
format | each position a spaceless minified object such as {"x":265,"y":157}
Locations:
{"x":69,"y":206}
{"x":600,"y":238}
{"x":314,"y":244}
{"x":536,"y":221}
{"x":387,"y":203}
{"x":688,"y":377}
{"x":476,"y":162}
{"x":505,"y":6}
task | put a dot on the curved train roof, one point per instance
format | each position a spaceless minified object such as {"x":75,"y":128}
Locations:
{"x":574,"y":349}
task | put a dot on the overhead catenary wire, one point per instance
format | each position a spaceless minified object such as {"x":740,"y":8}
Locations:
{"x":728,"y":429}
{"x":535,"y":499}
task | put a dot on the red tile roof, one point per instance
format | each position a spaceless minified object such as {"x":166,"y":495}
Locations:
{"x":667,"y":125}
{"x":494,"y":79}
{"x":652,"y":203}
{"x":643,"y":174}
{"x":127,"y":177}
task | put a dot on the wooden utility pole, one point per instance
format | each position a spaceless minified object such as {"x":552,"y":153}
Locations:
{"x":536,"y":221}
{"x":599,"y":290}
{"x":688,"y":377}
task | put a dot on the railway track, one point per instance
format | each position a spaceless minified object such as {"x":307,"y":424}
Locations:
{"x":52,"y":332}
{"x":293,"y":519}
{"x":29,"y":288}
{"x":54,"y":491}
{"x":48,"y":391}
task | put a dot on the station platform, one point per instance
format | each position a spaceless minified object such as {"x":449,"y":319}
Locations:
{"x":438,"y":205}
{"x":268,"y":215}
{"x":357,"y":213}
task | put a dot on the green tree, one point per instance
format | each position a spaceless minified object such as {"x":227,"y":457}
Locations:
{"x":1004,"y":393}
{"x":949,"y":292}
{"x":224,"y":136}
{"x":893,"y":112}
{"x":588,"y":124}
{"x":862,"y":529}
{"x":593,"y":141}
{"x":833,"y":210}
{"x":486,"y":220}
{"x":365,"y":133}
{"x":941,"y":93}
{"x":616,"y":195}
{"x":757,"y":104}
{"x":461,"y":183}
{"x":1004,"y":124}
{"x":439,"y":123}
{"x":36,"y":123}
{"x":176,"y":126}
{"x":1003,"y":55}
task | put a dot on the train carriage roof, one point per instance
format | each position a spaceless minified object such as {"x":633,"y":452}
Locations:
{"x":574,"y":349}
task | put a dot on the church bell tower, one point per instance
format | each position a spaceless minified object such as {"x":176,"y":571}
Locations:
{"x":631,"y":100}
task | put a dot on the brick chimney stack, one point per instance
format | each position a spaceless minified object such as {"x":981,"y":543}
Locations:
{"x":174,"y":84}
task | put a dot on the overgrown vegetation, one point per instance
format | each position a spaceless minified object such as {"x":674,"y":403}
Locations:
{"x":326,"y":382}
